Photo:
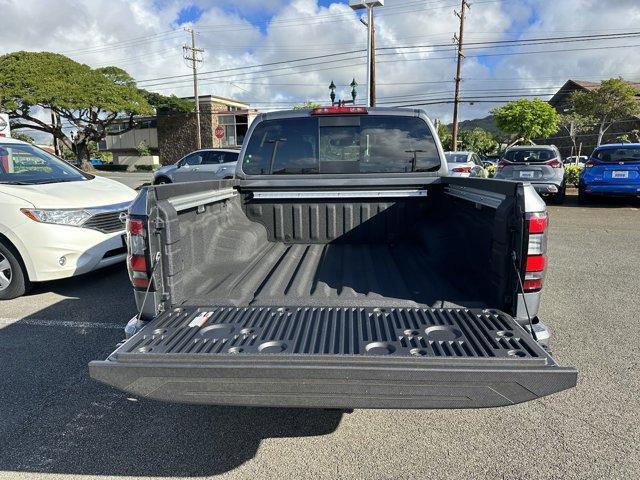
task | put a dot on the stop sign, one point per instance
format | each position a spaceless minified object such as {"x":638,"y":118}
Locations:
{"x":219,"y":131}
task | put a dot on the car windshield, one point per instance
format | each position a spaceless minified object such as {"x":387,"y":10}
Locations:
{"x":354,"y":144}
{"x":622,"y":154}
{"x":529,"y":155}
{"x":456,"y":157}
{"x":22,"y":164}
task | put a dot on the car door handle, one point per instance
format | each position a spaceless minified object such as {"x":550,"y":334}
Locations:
{"x":195,"y":169}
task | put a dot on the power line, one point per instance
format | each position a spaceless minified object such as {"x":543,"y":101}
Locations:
{"x":351,"y":52}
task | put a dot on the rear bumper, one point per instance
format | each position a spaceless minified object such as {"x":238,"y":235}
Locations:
{"x":334,"y":358}
{"x":546,"y":188}
{"x":622,"y":190}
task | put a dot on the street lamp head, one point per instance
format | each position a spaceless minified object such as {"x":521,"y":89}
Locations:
{"x":332,"y":86}
{"x":353,"y":83}
{"x":359,"y":4}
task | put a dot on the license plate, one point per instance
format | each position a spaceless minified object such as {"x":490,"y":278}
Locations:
{"x":526,"y":174}
{"x":619,"y":174}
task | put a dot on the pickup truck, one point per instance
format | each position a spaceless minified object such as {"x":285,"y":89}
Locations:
{"x":330,"y":274}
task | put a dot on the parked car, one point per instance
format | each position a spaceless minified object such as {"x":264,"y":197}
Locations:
{"x":576,"y":160}
{"x":541,"y":165}
{"x":205,"y":164}
{"x":329,"y":274}
{"x":611,"y":170}
{"x":56,"y":221}
{"x":465,"y":164}
{"x":96,"y":162}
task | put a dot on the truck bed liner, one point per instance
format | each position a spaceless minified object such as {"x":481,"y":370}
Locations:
{"x":334,"y":357}
{"x":338,"y":274}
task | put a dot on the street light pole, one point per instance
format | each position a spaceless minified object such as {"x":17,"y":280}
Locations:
{"x":369,"y":5}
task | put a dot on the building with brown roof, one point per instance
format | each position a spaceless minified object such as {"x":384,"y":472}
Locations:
{"x":589,"y":140}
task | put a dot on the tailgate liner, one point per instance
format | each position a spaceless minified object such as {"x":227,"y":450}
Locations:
{"x":334,"y":357}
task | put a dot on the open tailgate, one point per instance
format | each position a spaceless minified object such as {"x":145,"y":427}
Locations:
{"x":334,"y":358}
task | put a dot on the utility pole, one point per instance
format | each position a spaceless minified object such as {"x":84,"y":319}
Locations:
{"x":372,"y":74}
{"x":191,"y":55}
{"x":459,"y":39}
{"x":369,"y":5}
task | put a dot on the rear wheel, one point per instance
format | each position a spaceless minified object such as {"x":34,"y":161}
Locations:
{"x":560,"y":196}
{"x":13,"y":278}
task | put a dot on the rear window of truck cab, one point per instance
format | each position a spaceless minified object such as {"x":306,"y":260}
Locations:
{"x":341,"y":144}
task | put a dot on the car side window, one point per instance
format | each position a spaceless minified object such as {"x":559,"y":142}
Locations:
{"x":229,"y":157}
{"x":213,"y":158}
{"x":192,"y":159}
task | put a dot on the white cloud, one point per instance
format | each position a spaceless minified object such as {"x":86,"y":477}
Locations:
{"x":141,"y":36}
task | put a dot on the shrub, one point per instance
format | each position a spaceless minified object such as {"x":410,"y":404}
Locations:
{"x":143,"y":149}
{"x":110,"y":167}
{"x":146,"y":168}
{"x":572,"y":174}
{"x":491,"y":171}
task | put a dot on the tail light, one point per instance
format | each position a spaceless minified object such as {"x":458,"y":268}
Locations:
{"x":590,"y":164}
{"x":536,"y":262}
{"x":555,"y":163}
{"x":462,"y":169}
{"x":339,"y":111}
{"x":137,"y":259}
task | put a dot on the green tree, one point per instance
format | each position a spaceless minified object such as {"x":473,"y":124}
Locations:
{"x":574,"y":124}
{"x":527,"y":119}
{"x":444,"y":135}
{"x":613,"y":101}
{"x":22,"y":136}
{"x":90,"y":100}
{"x":478,"y":140}
{"x":309,"y":105}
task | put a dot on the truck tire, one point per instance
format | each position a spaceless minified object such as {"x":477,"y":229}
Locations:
{"x":13,"y":276}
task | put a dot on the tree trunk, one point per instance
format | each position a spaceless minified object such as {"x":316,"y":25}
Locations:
{"x":601,"y":133}
{"x":82,"y":154}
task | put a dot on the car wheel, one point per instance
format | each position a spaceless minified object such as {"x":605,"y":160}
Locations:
{"x":162,"y":181}
{"x":13,"y":277}
{"x":561,"y":195}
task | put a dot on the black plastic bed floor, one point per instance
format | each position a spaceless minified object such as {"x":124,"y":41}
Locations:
{"x":201,"y":332}
{"x":340,"y":275}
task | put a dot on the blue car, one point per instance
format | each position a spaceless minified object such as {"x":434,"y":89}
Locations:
{"x":611,"y":170}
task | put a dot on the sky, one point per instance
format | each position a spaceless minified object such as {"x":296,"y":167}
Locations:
{"x":145,"y":37}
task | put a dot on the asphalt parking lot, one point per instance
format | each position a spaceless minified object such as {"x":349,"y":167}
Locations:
{"x":55,"y":420}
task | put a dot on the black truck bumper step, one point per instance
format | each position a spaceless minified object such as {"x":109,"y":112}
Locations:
{"x":334,"y":358}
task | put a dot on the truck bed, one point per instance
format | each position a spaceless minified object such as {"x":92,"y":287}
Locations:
{"x":338,"y":274}
{"x":334,"y":358}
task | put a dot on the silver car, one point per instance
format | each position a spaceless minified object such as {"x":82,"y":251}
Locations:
{"x":205,"y":164}
{"x":540,"y":165}
{"x":465,"y":164}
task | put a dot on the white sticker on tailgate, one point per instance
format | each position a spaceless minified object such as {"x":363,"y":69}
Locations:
{"x":619,"y":174}
{"x":201,"y":319}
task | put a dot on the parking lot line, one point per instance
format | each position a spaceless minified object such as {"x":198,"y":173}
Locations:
{"x":40,"y":322}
